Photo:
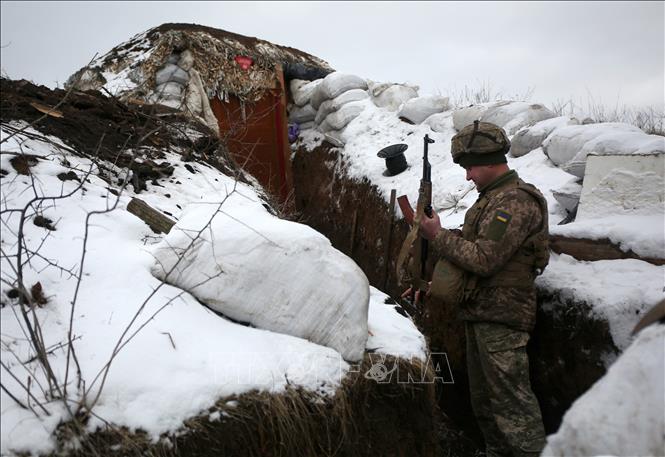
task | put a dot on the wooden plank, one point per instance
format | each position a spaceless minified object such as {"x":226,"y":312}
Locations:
{"x":157,"y":221}
{"x":391,"y":221}
{"x":591,"y":250}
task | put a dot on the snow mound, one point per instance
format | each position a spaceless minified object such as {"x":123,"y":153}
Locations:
{"x":274,"y":274}
{"x":628,"y":402}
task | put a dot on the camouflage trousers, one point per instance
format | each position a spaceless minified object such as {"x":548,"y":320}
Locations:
{"x":504,"y":405}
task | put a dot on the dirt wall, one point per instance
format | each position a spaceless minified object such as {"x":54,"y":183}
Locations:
{"x":568,"y":348}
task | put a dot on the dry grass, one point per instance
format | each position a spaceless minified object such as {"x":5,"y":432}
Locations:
{"x":363,"y":418}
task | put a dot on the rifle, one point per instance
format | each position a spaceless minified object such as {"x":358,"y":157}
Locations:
{"x":424,"y":207}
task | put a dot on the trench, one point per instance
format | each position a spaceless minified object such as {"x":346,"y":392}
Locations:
{"x":566,"y":351}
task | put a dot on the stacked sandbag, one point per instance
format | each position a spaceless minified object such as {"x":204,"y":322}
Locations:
{"x":301,"y":90}
{"x":335,"y":84}
{"x":301,"y":111}
{"x":509,"y":115}
{"x":391,"y":96}
{"x":338,"y":99}
{"x":568,"y":147}
{"x":416,"y":110}
{"x":331,"y":106}
{"x":171,"y":81}
{"x":512,"y":116}
{"x":531,"y":137}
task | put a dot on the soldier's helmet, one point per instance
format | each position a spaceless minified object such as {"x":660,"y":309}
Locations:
{"x":480,"y":143}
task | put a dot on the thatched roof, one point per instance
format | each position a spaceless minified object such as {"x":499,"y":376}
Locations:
{"x":214,"y":52}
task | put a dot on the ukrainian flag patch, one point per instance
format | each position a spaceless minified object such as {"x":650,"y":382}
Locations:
{"x":502,"y":216}
{"x":498,"y":225}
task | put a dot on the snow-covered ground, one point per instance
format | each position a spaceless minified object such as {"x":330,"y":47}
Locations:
{"x":180,"y":357}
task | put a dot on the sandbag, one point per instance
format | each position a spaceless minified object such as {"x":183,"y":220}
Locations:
{"x":391,"y":96}
{"x":465,"y":116}
{"x":330,"y":106}
{"x":301,"y":90}
{"x":340,"y":118}
{"x":274,"y":274}
{"x":566,"y":143}
{"x":334,"y":84}
{"x":529,"y":138}
{"x":171,"y":73}
{"x":186,"y":61}
{"x":439,"y":122}
{"x":418,"y":109}
{"x":168,"y":91}
{"x":513,"y":115}
{"x":301,"y":114}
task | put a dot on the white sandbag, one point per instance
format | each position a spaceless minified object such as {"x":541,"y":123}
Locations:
{"x":335,"y":138}
{"x":274,"y":274}
{"x":615,"y":143}
{"x":307,"y":125}
{"x":171,"y":73}
{"x":169,"y":90}
{"x":512,"y":116}
{"x":465,"y":116}
{"x":565,"y":143}
{"x":418,"y":109}
{"x":302,"y":90}
{"x":439,"y":122}
{"x":302,"y":114}
{"x":186,"y":61}
{"x":336,"y":103}
{"x":391,"y":96}
{"x":529,"y":138}
{"x":339,"y":119}
{"x":334,"y":84}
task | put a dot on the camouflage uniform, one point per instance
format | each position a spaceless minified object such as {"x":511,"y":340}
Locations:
{"x":496,"y":250}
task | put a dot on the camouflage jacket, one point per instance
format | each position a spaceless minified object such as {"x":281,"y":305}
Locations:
{"x":493,"y":251}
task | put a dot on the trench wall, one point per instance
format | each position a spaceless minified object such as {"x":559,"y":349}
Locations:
{"x":568,"y":348}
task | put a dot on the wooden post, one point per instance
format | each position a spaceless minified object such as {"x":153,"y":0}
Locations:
{"x":391,"y":216}
{"x":157,"y":221}
{"x":353,"y":232}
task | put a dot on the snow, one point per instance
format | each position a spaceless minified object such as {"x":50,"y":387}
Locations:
{"x":179,"y":357}
{"x":618,"y":291}
{"x":624,"y":412}
{"x":390,"y":335}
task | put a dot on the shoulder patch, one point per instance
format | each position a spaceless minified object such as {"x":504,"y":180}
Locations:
{"x":498,"y":225}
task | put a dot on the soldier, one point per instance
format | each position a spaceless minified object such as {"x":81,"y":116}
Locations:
{"x":502,"y":248}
